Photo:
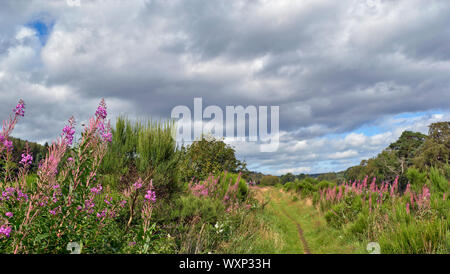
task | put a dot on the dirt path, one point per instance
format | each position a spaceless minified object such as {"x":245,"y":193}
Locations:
{"x":300,"y":232}
{"x":302,"y":227}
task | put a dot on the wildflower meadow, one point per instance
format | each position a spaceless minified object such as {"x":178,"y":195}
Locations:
{"x":129,"y":188}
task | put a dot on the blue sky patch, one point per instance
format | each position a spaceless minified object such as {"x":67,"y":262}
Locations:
{"x":42,"y":28}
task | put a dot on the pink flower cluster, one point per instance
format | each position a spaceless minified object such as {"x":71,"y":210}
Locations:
{"x":27,"y":159}
{"x":211,"y":187}
{"x":386,"y":189}
{"x":5,"y":230}
{"x":101,"y":111}
{"x":150,"y":196}
{"x":105,"y":132}
{"x":358,"y":188}
{"x":97,"y":189}
{"x":8,"y":126}
{"x":69,"y":131}
{"x":138,"y":184}
{"x":7,"y":144}
{"x":19,"y":110}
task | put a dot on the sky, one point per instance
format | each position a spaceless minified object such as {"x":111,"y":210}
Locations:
{"x":348,"y":76}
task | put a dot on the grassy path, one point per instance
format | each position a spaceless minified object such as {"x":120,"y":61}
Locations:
{"x":300,"y":232}
{"x":301,"y":226}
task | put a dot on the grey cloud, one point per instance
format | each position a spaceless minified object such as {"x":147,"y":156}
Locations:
{"x":332,"y":66}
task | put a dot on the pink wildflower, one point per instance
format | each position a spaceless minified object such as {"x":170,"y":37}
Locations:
{"x":122,"y":203}
{"x":5,"y":230}
{"x":19,"y":110}
{"x":97,"y":189}
{"x":69,"y":131}
{"x":101,"y":110}
{"x":27,"y":159}
{"x":138,"y":184}
{"x":150,"y":196}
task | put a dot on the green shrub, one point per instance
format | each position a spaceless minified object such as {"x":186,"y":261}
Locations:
{"x":305,"y":187}
{"x":289,"y":186}
{"x":325,"y":184}
{"x":419,"y":237}
{"x":416,"y":178}
{"x":142,"y":149}
{"x":187,"y":207}
{"x":208,"y":156}
{"x":359,"y":227}
{"x":270,"y":180}
{"x":438,"y":182}
{"x":344,"y":212}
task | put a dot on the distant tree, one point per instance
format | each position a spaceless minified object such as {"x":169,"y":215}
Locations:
{"x":386,"y":166}
{"x":209,"y":156}
{"x":435,"y":152}
{"x":330,"y":176}
{"x":412,"y":149}
{"x":355,"y":172}
{"x":270,"y":180}
{"x":288,"y":177}
{"x":406,"y":147}
{"x":301,"y":176}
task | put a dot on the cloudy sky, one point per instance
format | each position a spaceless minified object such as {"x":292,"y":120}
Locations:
{"x":349,"y":76}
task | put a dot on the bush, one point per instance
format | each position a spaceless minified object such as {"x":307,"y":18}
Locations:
{"x":416,"y":238}
{"x":416,"y":178}
{"x":438,"y":182}
{"x":325,"y":184}
{"x":305,"y":187}
{"x":208,"y":156}
{"x":142,"y":150}
{"x":270,"y":180}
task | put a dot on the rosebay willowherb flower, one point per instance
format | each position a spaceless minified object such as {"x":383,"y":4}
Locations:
{"x":27,"y":159}
{"x":69,"y":131}
{"x":101,"y":110}
{"x":19,"y":110}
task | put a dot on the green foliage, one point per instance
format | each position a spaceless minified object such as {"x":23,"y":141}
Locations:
{"x":325,"y":184}
{"x":228,"y":178}
{"x":416,"y":178}
{"x":438,"y":182}
{"x":435,"y":152}
{"x":208,"y":156}
{"x":344,"y":212}
{"x":289,"y":186}
{"x":142,"y":149}
{"x":188,"y":207}
{"x":407,"y":145}
{"x":289,"y":177}
{"x":330,"y":176}
{"x":412,"y":149}
{"x":305,"y":187}
{"x":270,"y":180}
{"x":36,"y":150}
{"x":417,"y":238}
{"x":360,"y":226}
